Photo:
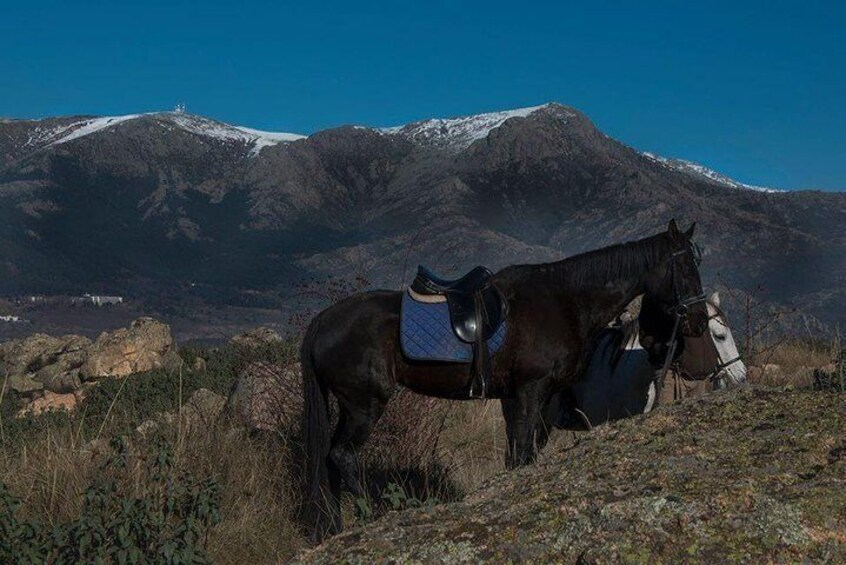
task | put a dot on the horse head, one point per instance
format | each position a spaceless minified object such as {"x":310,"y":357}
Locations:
{"x":676,"y":288}
{"x":722,"y":364}
{"x":711,"y":356}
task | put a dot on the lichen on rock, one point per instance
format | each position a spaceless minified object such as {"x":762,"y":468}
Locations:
{"x":754,"y":474}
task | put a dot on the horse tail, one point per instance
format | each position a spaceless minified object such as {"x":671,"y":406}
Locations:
{"x":316,"y":439}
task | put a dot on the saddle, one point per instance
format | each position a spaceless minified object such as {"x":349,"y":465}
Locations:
{"x":477,"y":310}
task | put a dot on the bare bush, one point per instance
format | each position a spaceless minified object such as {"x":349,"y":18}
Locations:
{"x":407,"y":434}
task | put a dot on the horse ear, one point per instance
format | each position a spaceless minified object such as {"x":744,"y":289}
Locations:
{"x":689,"y":232}
{"x":673,"y":229}
{"x":715,"y":299}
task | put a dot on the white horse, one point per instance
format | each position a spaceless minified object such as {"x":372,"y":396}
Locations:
{"x":619,"y":384}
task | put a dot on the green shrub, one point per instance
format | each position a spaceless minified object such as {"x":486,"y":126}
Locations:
{"x":168,"y":521}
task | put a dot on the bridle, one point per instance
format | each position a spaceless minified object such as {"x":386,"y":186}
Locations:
{"x":681,"y":308}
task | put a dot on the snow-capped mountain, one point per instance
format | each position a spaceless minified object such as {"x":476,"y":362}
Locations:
{"x":46,"y":133}
{"x":459,"y":133}
{"x":452,"y":134}
{"x":140,"y":204}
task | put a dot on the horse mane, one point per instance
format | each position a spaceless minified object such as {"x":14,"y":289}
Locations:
{"x":615,"y":262}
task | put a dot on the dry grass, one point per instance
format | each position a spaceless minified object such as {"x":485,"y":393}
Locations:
{"x":259,"y":494}
{"x":792,"y":362}
{"x":436,"y":449}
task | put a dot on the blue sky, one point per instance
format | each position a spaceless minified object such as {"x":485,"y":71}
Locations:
{"x":756,"y":90}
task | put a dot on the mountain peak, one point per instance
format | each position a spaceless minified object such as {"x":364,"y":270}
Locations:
{"x":57,"y":134}
{"x":458,"y":133}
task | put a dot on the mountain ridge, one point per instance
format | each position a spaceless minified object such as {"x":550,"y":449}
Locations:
{"x":147,"y":210}
{"x":424,"y":131}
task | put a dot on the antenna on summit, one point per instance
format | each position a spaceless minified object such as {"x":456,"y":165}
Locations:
{"x":180,"y":108}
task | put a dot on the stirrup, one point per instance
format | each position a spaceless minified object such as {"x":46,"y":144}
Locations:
{"x":472,"y":393}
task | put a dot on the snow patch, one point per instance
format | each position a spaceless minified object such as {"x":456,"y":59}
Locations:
{"x":703,"y":172}
{"x":457,"y":133}
{"x":87,"y":127}
{"x":194,"y":124}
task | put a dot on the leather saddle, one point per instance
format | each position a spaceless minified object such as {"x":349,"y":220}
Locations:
{"x":476,"y":309}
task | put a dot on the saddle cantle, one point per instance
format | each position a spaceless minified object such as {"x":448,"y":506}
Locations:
{"x":476,"y":310}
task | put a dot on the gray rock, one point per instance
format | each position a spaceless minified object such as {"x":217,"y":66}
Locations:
{"x":56,"y":379}
{"x":257,"y":337}
{"x":139,"y":348}
{"x":203,"y":408}
{"x":266,"y":396}
{"x":24,"y":384}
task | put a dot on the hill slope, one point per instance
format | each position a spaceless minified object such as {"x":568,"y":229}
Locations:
{"x":756,"y":475}
{"x":160,"y":204}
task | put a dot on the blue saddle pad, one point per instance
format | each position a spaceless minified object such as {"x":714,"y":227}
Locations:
{"x":426,"y":334}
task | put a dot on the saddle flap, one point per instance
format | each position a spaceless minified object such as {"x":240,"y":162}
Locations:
{"x":427,"y":333}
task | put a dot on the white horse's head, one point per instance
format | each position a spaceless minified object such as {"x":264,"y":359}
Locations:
{"x":732,"y":371}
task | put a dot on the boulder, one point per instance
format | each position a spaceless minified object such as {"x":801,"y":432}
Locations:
{"x":141,"y":347}
{"x":266,"y":396}
{"x":57,"y":379}
{"x":38,"y":351}
{"x":199,"y":365}
{"x":257,"y":337}
{"x":202,"y":409}
{"x":51,"y":401}
{"x":24,"y":384}
{"x":172,"y":362}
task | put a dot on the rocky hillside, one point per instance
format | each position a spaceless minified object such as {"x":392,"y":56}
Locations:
{"x":173,"y":205}
{"x":55,"y":371}
{"x":755,"y":475}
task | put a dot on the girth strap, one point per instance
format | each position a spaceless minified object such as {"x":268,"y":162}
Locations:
{"x":480,"y":376}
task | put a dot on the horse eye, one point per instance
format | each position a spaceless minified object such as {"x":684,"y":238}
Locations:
{"x":720,"y":337}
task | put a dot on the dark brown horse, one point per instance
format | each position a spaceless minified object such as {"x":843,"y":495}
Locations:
{"x":556,"y":310}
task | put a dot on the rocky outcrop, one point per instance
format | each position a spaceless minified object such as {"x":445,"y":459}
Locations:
{"x":52,"y":371}
{"x":53,"y":362}
{"x":145,"y":345}
{"x":752,"y":475}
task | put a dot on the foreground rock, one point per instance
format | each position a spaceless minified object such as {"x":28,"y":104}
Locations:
{"x":752,"y":475}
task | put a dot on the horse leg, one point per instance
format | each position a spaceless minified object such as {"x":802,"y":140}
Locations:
{"x":528,"y":430}
{"x":356,"y":421}
{"x":509,"y":413}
